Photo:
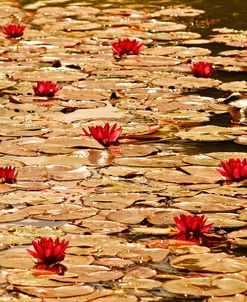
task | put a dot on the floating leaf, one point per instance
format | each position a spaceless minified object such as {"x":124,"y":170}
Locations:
{"x":59,"y":291}
{"x":207,"y":262}
{"x":209,"y":203}
{"x":28,"y":279}
{"x":130,"y":216}
{"x":114,"y":200}
{"x":205,"y":286}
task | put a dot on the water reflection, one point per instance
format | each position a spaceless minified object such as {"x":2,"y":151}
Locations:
{"x":46,"y":269}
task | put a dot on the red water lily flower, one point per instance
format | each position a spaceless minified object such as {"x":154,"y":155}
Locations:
{"x":48,"y":250}
{"x":106,"y":135}
{"x":13,"y":31}
{"x":127,"y":47}
{"x":234,"y":169}
{"x":8,"y":175}
{"x":46,"y":88}
{"x":202,"y":69}
{"x":193,"y":224}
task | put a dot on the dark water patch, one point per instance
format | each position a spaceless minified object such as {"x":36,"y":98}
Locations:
{"x":227,"y":77}
{"x":222,"y":120}
{"x":240,"y":252}
{"x":189,"y":148}
{"x":231,"y":13}
{"x":216,"y":48}
{"x":209,"y":92}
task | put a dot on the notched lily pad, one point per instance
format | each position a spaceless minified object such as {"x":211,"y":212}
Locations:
{"x":208,"y":134}
{"x":151,"y":162}
{"x":209,"y":203}
{"x":185,"y":82}
{"x":131,"y":215}
{"x":210,"y":262}
{"x":225,"y":220}
{"x":60,"y":212}
{"x":239,"y":237}
{"x":175,"y":176}
{"x":28,"y":279}
{"x":205,"y":286}
{"x":57,"y":292}
{"x":113,"y":200}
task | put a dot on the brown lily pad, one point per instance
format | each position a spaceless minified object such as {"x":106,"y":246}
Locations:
{"x":208,"y":262}
{"x":205,"y":286}
{"x":58,"y":292}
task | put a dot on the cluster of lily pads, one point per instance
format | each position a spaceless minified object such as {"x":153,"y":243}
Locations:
{"x":232,"y":170}
{"x":50,"y":252}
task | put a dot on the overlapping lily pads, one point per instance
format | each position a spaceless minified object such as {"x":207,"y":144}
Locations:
{"x":116,"y":205}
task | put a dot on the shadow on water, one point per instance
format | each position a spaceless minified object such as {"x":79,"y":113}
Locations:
{"x":204,"y":147}
{"x":222,"y":120}
{"x":209,"y":92}
{"x":227,"y":77}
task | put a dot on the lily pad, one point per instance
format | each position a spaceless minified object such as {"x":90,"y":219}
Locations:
{"x":225,"y":220}
{"x":205,"y":286}
{"x":236,"y":298}
{"x":26,"y":278}
{"x":60,"y":212}
{"x":181,"y":11}
{"x":174,"y":176}
{"x":59,"y":291}
{"x":207,"y":262}
{"x":130,"y":216}
{"x":209,"y":203}
{"x":114,"y":200}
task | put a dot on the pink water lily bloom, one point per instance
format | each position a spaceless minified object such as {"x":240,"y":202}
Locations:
{"x":202,"y":69}
{"x":234,"y":169}
{"x":127,"y":47}
{"x":46,"y":88}
{"x":106,"y":135}
{"x":193,"y":224}
{"x":8,"y":175}
{"x":13,"y":31}
{"x":47,"y":250}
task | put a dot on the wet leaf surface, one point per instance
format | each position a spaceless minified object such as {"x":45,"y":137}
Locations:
{"x":61,"y":291}
{"x":205,"y":286}
{"x":220,"y":262}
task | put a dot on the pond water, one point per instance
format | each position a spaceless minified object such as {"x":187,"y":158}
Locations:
{"x":232,"y":12}
{"x":116,"y":204}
